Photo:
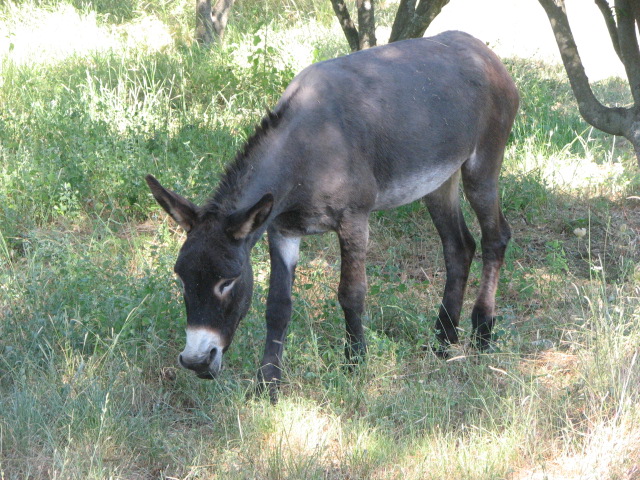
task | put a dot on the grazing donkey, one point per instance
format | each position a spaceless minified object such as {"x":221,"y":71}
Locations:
{"x":368,"y":131}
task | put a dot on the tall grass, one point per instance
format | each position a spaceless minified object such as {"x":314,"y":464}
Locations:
{"x":91,"y":321}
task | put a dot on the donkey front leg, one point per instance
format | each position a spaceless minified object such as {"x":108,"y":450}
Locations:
{"x":353,"y":235}
{"x":283,"y":252}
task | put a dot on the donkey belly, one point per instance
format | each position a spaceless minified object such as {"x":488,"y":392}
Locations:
{"x":411,"y":187}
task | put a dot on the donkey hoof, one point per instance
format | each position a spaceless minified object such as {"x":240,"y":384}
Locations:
{"x":351,"y":364}
{"x":268,"y":382}
{"x":440,"y":350}
{"x":264,"y":388}
{"x":482,"y":342}
{"x":443,"y":349}
{"x":355,"y":354}
{"x":482,"y":345}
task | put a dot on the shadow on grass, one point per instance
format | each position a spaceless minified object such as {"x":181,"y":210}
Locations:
{"x":78,"y":177}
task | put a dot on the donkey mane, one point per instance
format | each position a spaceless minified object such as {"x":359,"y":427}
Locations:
{"x":237,"y":172}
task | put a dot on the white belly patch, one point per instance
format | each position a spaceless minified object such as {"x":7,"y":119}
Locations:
{"x":409,"y":189}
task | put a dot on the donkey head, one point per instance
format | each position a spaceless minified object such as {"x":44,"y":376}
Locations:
{"x":215,"y":271}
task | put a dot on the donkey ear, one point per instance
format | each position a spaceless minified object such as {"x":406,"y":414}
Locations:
{"x":181,"y":210}
{"x":241,"y":224}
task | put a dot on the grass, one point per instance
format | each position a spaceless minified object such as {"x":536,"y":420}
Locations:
{"x":91,"y":321}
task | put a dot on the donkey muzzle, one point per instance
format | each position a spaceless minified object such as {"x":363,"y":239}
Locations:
{"x":203,"y":352}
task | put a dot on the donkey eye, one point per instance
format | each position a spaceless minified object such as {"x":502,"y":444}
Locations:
{"x":224,"y":286}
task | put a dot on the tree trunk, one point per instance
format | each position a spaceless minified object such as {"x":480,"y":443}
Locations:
{"x":620,"y":121}
{"x":412,"y":21}
{"x":211,"y":22}
{"x":348,"y":27}
{"x":366,"y":24}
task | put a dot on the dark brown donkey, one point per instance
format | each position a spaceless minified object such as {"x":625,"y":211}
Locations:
{"x":368,"y":131}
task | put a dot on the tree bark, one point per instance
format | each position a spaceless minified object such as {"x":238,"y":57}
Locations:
{"x":366,"y":24}
{"x":620,"y":121}
{"x":412,"y":21}
{"x":610,"y":21}
{"x":211,"y":23}
{"x":629,"y":51}
{"x":348,"y":27}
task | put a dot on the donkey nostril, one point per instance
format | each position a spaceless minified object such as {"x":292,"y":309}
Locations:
{"x":213,"y":354}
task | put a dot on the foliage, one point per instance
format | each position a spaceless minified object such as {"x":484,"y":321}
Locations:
{"x":91,"y":319}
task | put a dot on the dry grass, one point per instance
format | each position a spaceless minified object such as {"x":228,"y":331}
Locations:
{"x":92,"y":321}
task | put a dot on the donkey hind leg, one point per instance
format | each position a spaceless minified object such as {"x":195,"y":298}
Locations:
{"x":480,"y":181}
{"x":283,"y":252}
{"x":458,"y":248}
{"x":353,"y":234}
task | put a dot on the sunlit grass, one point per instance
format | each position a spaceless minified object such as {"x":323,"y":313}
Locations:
{"x":32,"y":35}
{"x":91,"y":320}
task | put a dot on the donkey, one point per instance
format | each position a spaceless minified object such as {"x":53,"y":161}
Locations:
{"x":368,"y":131}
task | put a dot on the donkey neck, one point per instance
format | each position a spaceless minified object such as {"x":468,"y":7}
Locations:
{"x":254,"y":172}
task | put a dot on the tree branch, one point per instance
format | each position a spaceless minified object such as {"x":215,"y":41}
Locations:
{"x":630,"y":53}
{"x":607,"y":13}
{"x":415,"y":20}
{"x":607,"y":119}
{"x":426,"y":12}
{"x":404,"y":16}
{"x":349,"y":29}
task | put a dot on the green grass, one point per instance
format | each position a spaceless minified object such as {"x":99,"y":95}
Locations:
{"x":91,"y":320}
